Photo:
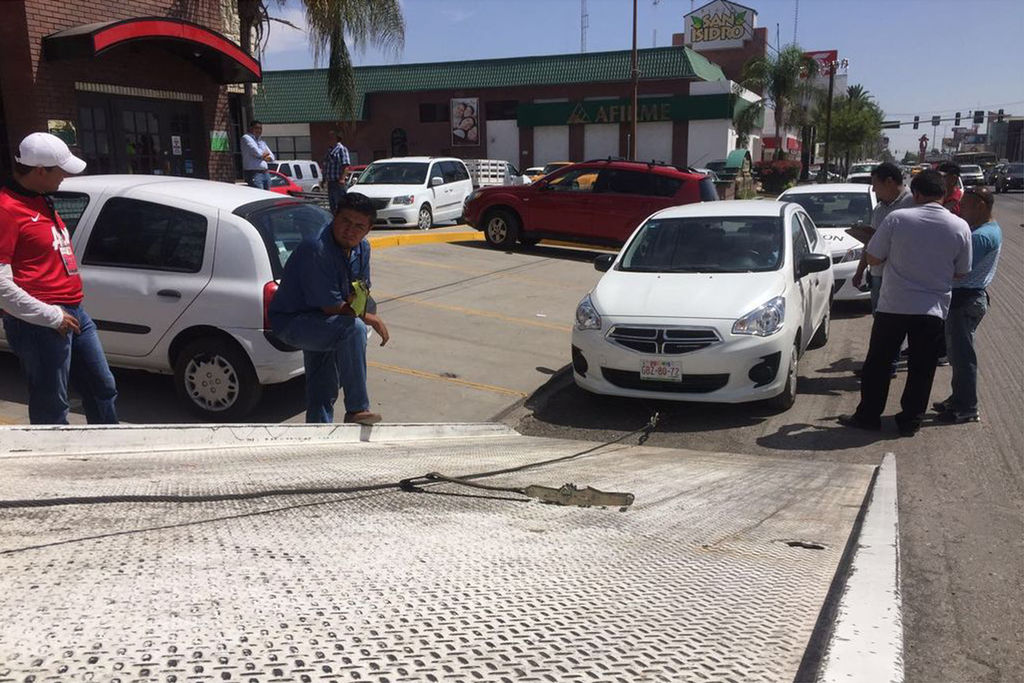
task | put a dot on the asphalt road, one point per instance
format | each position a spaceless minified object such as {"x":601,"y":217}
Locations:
{"x":960,"y":487}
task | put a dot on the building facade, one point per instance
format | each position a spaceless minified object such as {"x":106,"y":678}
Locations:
{"x":136,"y":86}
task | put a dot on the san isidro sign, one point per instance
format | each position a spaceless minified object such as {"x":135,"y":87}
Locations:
{"x":719,"y":25}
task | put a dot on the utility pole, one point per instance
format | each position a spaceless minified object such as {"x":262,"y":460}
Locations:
{"x":635,"y":76}
{"x":584,"y":25}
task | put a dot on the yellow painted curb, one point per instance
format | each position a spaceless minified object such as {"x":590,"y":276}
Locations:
{"x":425,"y":238}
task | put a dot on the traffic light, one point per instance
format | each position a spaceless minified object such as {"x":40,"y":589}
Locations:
{"x":917,"y":120}
{"x":936,"y":121}
{"x":999,"y":116}
{"x":979,"y":116}
{"x":956,"y":119}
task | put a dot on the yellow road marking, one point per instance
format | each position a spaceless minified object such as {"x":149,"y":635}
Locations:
{"x":5,"y":421}
{"x":424,"y":238}
{"x":451,"y":380}
{"x":474,"y":311}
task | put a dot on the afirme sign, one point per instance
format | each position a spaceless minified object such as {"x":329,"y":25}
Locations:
{"x":718,"y":25}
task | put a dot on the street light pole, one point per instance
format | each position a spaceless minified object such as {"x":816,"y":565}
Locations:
{"x":635,"y":76}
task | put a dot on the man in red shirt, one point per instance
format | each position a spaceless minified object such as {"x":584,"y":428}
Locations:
{"x":41,"y":292}
{"x":951,"y":176}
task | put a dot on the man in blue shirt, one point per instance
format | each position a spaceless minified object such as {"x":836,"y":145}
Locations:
{"x":968,"y":307}
{"x":923,"y":248}
{"x":335,"y":163}
{"x":317,"y":310}
{"x":255,"y":156}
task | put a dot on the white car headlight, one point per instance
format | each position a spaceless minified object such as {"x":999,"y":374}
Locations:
{"x":587,"y":317}
{"x":853,"y":254}
{"x":763,"y":321}
{"x":404,"y":199}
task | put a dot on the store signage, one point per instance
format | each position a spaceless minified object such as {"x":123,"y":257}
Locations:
{"x":719,"y":24}
{"x":619,"y":112}
{"x":63,"y":129}
{"x":466,"y":117}
{"x":176,"y":145}
{"x":219,"y":141}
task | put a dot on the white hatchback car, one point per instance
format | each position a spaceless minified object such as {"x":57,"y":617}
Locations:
{"x":711,"y":302}
{"x":416,"y":191}
{"x":303,"y":172}
{"x":834,"y":207}
{"x":178,"y":274}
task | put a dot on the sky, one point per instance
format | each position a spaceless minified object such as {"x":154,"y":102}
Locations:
{"x":915,"y":57}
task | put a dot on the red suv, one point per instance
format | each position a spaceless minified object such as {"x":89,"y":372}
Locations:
{"x":598,"y":202}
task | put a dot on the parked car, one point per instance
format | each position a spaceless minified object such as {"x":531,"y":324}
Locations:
{"x":352,"y":174}
{"x":833,"y":208}
{"x":178,"y":274}
{"x":992,"y":172}
{"x":1010,"y":178}
{"x":971,"y":174}
{"x":861,"y":173}
{"x":282,"y":184}
{"x":712,"y":302}
{"x":534,"y":173}
{"x":597,"y":202}
{"x":304,"y":172}
{"x":416,"y":191}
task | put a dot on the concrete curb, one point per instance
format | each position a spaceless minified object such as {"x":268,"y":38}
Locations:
{"x":386,"y":242}
{"x":867,"y":637}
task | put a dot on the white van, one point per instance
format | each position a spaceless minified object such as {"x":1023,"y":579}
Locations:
{"x":415,"y":191}
{"x":304,"y":172}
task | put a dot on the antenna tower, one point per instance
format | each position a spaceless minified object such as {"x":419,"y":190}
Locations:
{"x":584,"y":25}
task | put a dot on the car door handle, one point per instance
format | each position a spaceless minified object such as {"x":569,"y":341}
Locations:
{"x":172,"y":293}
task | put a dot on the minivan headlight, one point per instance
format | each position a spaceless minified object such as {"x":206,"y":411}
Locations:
{"x":763,"y":321}
{"x":587,"y":317}
{"x":404,"y":199}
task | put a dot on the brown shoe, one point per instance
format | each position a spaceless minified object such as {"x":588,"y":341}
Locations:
{"x":363,"y":417}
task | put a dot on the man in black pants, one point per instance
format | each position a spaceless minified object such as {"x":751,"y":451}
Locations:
{"x":924,"y":248}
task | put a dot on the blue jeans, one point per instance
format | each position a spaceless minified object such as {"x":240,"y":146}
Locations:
{"x":49,"y":359}
{"x":334,"y":354}
{"x":961,"y":324}
{"x":258,"y":179}
{"x":335,"y":191}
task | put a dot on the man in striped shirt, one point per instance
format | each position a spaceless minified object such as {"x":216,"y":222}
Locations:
{"x":335,"y":163}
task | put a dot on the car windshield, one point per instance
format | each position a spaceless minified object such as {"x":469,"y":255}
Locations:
{"x":282,"y":225}
{"x":397,"y":173}
{"x":719,"y":244}
{"x":834,"y":209}
{"x":971,"y":169}
{"x":862,"y":168}
{"x":551,"y":168}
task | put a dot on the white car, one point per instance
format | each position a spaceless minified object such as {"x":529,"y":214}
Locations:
{"x":178,"y":274}
{"x":712,"y":302}
{"x":834,"y":208}
{"x":416,"y":191}
{"x":303,"y":172}
{"x":861,"y":173}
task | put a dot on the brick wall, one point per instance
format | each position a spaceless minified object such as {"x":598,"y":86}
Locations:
{"x":35,"y":89}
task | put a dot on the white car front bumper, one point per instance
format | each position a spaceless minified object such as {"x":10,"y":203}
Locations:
{"x":843,"y":289}
{"x":718,"y":373}
{"x":397,"y":216}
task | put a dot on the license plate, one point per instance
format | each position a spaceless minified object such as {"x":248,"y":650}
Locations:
{"x":661,"y":370}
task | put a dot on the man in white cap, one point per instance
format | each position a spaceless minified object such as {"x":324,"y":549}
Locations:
{"x":41,"y":292}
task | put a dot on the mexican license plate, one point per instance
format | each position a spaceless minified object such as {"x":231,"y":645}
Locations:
{"x":661,"y":370}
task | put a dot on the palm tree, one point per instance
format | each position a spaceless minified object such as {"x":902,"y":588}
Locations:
{"x":333,"y":26}
{"x":780,"y":80}
{"x":857,"y":94}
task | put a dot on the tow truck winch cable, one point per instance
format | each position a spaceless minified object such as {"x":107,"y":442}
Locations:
{"x":566,"y":495}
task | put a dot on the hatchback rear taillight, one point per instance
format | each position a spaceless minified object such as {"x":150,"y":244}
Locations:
{"x":269,"y":290}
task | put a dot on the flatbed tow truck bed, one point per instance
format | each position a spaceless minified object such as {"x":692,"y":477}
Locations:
{"x":306,"y":553}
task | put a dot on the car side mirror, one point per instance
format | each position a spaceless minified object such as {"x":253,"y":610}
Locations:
{"x":814,"y":263}
{"x":604,"y":262}
{"x":436,"y":180}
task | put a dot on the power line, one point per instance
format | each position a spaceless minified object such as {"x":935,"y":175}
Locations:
{"x":944,"y":111}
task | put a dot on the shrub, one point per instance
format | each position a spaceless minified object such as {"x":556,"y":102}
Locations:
{"x":777,"y":175}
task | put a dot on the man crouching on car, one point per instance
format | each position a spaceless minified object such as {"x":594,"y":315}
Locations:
{"x":320,"y":308}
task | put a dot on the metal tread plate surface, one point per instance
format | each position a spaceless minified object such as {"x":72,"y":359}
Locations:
{"x":717,"y":572}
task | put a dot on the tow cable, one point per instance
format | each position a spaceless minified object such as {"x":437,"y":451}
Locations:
{"x":568,"y":494}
